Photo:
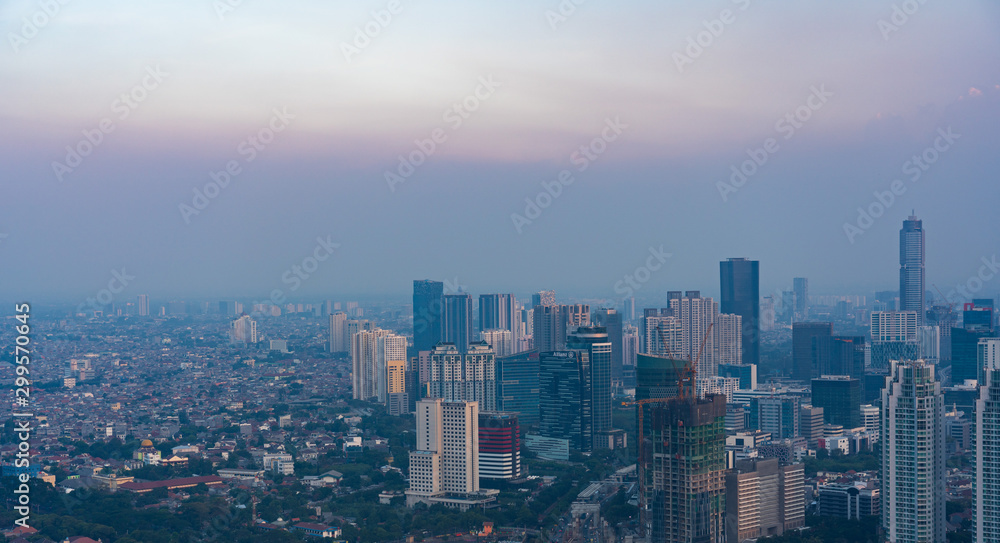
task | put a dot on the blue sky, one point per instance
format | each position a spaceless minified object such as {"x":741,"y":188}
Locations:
{"x":556,"y":87}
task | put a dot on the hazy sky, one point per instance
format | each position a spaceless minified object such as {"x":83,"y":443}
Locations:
{"x":199,"y":79}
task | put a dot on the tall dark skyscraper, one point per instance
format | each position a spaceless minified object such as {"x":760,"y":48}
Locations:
{"x":456,"y":324}
{"x":612,"y":321}
{"x":427,"y":308}
{"x":565,"y":409}
{"x":803,"y":345}
{"x":911,"y":267}
{"x":977,"y":324}
{"x":740,"y":281}
{"x":801,"y":287}
{"x":840,"y":398}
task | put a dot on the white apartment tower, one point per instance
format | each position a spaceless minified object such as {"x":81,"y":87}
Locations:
{"x":447,"y":455}
{"x":913,"y":455}
{"x":986,"y":445}
{"x":338,"y":332}
{"x":370,"y":352}
{"x":457,"y":377}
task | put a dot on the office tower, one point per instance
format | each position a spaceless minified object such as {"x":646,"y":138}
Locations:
{"x":593,"y":340}
{"x":565,"y":409}
{"x":142,"y":305}
{"x":913,"y":455}
{"x":871,"y":418}
{"x":517,"y":386}
{"x":746,"y":373}
{"x":911,"y":268}
{"x":740,"y":282}
{"x":811,"y":424}
{"x":629,"y":312}
{"x":611,"y":320}
{"x":630,"y":349}
{"x":370,"y":352}
{"x":499,"y":446}
{"x":543,"y":297}
{"x":500,"y":312}
{"x":840,"y":398}
{"x":657,"y":376}
{"x":397,"y":396}
{"x":549,"y":328}
{"x":763,"y":499}
{"x":977,"y":323}
{"x":447,"y":457}
{"x":849,"y":501}
{"x":930,"y":343}
{"x":456,"y":320}
{"x":338,"y":332}
{"x":803,"y":334}
{"x":839,"y":355}
{"x":894,"y":337}
{"x":469,"y":376}
{"x":800,"y":285}
{"x":986,"y":445}
{"x":683,"y":489}
{"x":767,"y":314}
{"x":243,"y":330}
{"x":428,"y":299}
{"x":776,"y":415}
{"x":502,"y":341}
{"x":728,"y":339}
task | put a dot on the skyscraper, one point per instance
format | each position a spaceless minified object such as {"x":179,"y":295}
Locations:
{"x":911,"y":267}
{"x":456,"y":323}
{"x":500,"y":312}
{"x":977,"y":324}
{"x":142,"y":304}
{"x":517,"y":385}
{"x":502,"y":341}
{"x":565,"y":409}
{"x":740,"y":282}
{"x":801,"y":287}
{"x":499,"y":446}
{"x":338,"y":332}
{"x":803,"y":336}
{"x":683,"y":475}
{"x":777,"y":415}
{"x":986,"y":445}
{"x":243,"y":330}
{"x":543,"y":297}
{"x":593,"y":340}
{"x":763,"y":499}
{"x":468,"y":376}
{"x":840,"y":398}
{"x":611,"y":320}
{"x":696,"y":314}
{"x":371,"y":350}
{"x":913,"y":455}
{"x":427,"y":307}
{"x":894,"y":337}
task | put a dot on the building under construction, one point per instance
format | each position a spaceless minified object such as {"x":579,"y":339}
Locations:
{"x":684,"y":475}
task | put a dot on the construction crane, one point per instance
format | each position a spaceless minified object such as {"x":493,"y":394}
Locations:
{"x":685,"y":389}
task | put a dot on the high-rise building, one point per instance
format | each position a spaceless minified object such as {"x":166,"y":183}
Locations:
{"x":740,"y":282}
{"x":657,"y":376}
{"x":695,"y":316}
{"x":243,"y":330}
{"x":517,"y":386}
{"x":840,"y":398}
{"x":502,"y":341}
{"x":339,"y":339}
{"x":768,"y":314}
{"x":499,"y":446}
{"x":849,"y":501}
{"x":801,"y":287}
{"x":611,"y":320}
{"x":549,"y":327}
{"x":445,"y":466}
{"x":629,"y":313}
{"x":683,"y":489}
{"x":911,"y":268}
{"x":871,"y":418}
{"x":427,"y":308}
{"x":500,"y":312}
{"x":469,"y":376}
{"x":456,"y":322}
{"x":803,"y":347}
{"x":913,"y":455}
{"x":776,"y":415}
{"x":728,"y":339}
{"x":811,"y":424}
{"x":763,"y":499}
{"x":397,"y":398}
{"x":661,"y":332}
{"x":565,"y":408}
{"x":630,"y":349}
{"x":142,"y":305}
{"x":894,"y":337}
{"x":977,"y":324}
{"x":371,"y":350}
{"x":594,"y":341}
{"x":986,"y":445}
{"x":543,"y":297}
